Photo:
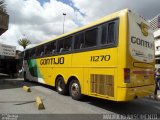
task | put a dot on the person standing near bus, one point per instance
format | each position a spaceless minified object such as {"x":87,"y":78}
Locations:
{"x":157,"y":80}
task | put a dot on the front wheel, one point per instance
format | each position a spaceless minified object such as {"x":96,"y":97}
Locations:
{"x":75,"y":90}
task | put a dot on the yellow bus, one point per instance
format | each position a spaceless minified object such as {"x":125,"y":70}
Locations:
{"x":111,"y":58}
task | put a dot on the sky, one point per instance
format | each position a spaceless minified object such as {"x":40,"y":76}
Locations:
{"x":40,"y":20}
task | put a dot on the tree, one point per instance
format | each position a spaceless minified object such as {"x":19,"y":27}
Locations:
{"x":2,"y":6}
{"x":24,"y":42}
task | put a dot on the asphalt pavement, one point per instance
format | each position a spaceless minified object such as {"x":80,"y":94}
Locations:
{"x":14,"y":100}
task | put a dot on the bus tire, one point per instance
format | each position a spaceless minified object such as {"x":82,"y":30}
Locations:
{"x":75,"y":90}
{"x":60,"y":86}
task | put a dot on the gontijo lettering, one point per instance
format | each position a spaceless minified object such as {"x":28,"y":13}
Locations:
{"x":51,"y":61}
{"x":141,"y":42}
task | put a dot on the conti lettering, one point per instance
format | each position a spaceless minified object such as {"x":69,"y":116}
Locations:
{"x":51,"y":61}
{"x":141,"y":42}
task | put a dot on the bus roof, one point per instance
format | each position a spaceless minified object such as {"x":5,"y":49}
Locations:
{"x":101,"y":20}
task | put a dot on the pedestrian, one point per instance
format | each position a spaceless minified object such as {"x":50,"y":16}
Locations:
{"x":157,"y":78}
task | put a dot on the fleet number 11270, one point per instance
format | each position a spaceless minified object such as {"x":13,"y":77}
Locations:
{"x":100,"y":58}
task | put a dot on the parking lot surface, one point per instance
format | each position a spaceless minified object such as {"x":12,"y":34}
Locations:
{"x":14,"y":100}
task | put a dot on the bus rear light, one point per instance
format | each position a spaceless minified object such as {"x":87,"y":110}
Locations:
{"x":126,"y":75}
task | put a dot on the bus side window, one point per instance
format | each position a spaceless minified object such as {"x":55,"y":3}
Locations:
{"x":65,"y":44}
{"x":104,"y":34}
{"x":33,"y":53}
{"x":40,"y":51}
{"x":53,"y":51}
{"x":108,"y":33}
{"x":49,"y":48}
{"x":91,"y":37}
{"x":68,"y":44}
{"x":52,"y":48}
{"x":60,"y":45}
{"x":111,"y":32}
{"x":79,"y":41}
{"x":26,"y":54}
{"x":46,"y":49}
{"x":61,"y":50}
{"x":82,"y":45}
{"x":29,"y":53}
{"x":48,"y":52}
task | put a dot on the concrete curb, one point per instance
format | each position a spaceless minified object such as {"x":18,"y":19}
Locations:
{"x":11,"y":82}
{"x":27,"y":89}
{"x":39,"y":103}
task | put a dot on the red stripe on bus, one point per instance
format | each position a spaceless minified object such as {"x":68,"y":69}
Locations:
{"x":143,"y":72}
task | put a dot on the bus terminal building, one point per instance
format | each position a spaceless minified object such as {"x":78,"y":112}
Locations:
{"x":10,"y":62}
{"x":155,"y":24}
{"x":157,"y":47}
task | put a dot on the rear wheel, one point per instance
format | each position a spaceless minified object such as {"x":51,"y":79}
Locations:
{"x":75,"y":90}
{"x":60,"y":86}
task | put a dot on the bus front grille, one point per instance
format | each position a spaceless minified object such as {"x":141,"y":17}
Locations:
{"x":102,"y":84}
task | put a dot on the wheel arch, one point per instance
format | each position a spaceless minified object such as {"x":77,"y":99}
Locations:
{"x":73,"y":77}
{"x":59,"y":75}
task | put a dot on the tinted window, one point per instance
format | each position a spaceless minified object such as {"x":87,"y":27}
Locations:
{"x":47,"y":49}
{"x":50,"y":48}
{"x":104,"y":34}
{"x":65,"y":44}
{"x":60,"y":45}
{"x":40,"y":51}
{"x":91,"y":37}
{"x":26,"y":54}
{"x":108,"y":33}
{"x":68,"y":44}
{"x":111,"y":32}
{"x":33,"y":53}
{"x":79,"y":41}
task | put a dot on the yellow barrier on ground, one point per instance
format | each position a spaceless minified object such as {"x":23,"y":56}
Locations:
{"x":39,"y":103}
{"x":27,"y":89}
